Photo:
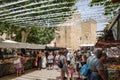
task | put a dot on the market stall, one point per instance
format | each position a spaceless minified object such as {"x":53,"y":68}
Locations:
{"x":110,"y":42}
{"x":7,"y":57}
{"x":114,"y":63}
{"x":7,"y":67}
{"x":8,"y":50}
{"x":19,"y":45}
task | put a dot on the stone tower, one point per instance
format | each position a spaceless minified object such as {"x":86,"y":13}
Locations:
{"x":76,"y":32}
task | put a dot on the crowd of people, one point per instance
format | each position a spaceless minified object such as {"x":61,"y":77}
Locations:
{"x":71,"y":62}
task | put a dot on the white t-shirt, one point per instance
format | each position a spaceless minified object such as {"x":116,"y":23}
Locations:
{"x":50,"y":58}
{"x":17,"y":61}
{"x":68,"y":56}
{"x":56,"y":57}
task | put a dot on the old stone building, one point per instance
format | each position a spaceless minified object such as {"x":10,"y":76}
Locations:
{"x":76,"y":32}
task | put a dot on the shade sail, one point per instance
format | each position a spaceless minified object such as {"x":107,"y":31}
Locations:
{"x":36,"y":12}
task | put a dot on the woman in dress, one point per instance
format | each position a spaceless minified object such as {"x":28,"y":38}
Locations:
{"x":39,"y":60}
{"x":44,"y":60}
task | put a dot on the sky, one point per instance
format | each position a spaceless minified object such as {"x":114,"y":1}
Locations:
{"x":95,"y":12}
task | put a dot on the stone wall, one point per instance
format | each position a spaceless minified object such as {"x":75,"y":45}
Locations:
{"x":80,"y":32}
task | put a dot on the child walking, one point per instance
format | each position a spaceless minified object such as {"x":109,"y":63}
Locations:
{"x":72,"y":70}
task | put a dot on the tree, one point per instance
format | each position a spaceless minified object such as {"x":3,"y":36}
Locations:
{"x":24,"y":33}
{"x":41,"y":35}
{"x":33,"y":14}
{"x":1,"y":28}
{"x":37,"y":35}
{"x":8,"y":29}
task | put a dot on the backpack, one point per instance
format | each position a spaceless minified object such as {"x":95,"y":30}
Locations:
{"x":60,"y":64}
{"x":85,"y":70}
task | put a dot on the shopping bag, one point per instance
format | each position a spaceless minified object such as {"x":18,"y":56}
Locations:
{"x":85,"y":70}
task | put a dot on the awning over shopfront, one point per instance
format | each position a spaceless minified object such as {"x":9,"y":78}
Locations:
{"x":87,"y":45}
{"x":8,"y":45}
{"x":107,"y":44}
{"x":114,"y":1}
{"x":35,"y":46}
{"x":9,"y":41}
{"x":55,"y":48}
{"x":13,"y":44}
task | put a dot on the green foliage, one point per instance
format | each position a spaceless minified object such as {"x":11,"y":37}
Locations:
{"x":41,"y":35}
{"x":7,"y":28}
{"x":109,"y":6}
{"x":96,"y":1}
{"x":37,"y":35}
{"x":42,"y":7}
{"x":18,"y":33}
{"x":1,"y":28}
{"x":22,"y":18}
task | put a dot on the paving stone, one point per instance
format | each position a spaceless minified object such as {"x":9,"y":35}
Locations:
{"x":43,"y":74}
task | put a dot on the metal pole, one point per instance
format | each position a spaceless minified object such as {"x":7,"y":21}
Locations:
{"x":118,"y":28}
{"x":65,"y":37}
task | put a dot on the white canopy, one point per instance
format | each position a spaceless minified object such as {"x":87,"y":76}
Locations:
{"x":14,"y":44}
{"x":9,"y":41}
{"x":87,"y":45}
{"x":8,"y":45}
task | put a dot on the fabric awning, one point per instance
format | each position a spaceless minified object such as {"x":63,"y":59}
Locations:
{"x":114,"y":1}
{"x":9,"y":41}
{"x":107,"y":44}
{"x":21,"y":45}
{"x":87,"y":45}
